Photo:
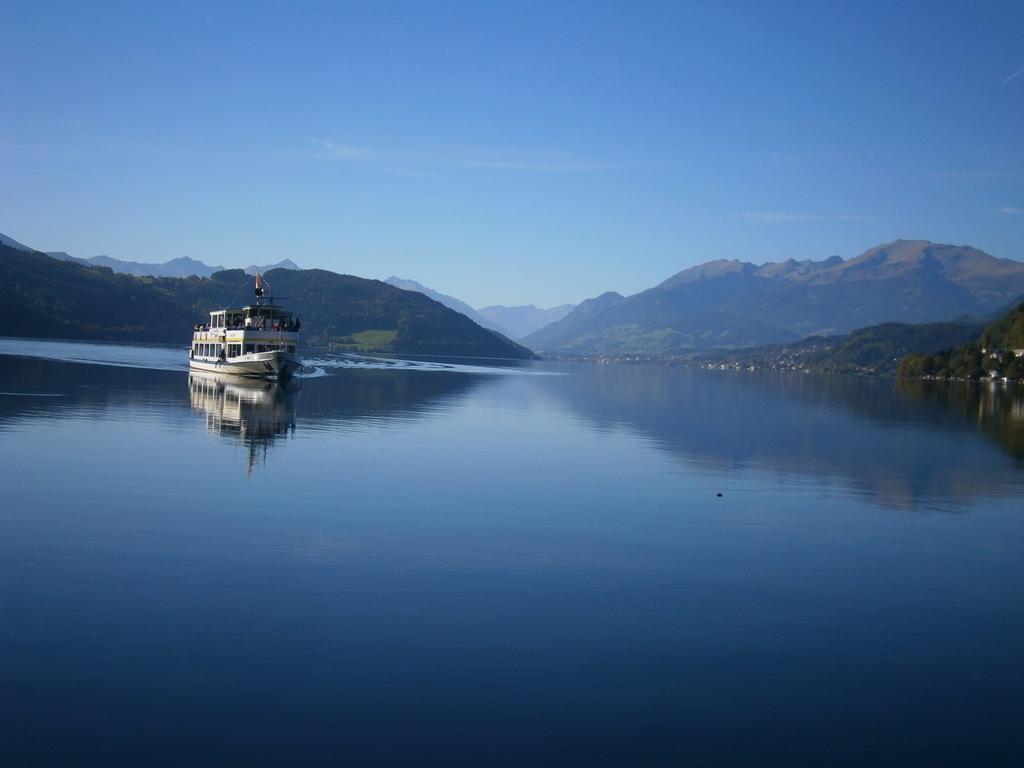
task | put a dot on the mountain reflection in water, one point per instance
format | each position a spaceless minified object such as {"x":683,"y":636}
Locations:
{"x":900,"y":444}
{"x":609,"y":565}
{"x":996,"y":409}
{"x":905,"y":445}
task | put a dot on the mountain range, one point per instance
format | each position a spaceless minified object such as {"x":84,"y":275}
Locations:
{"x":519,"y":322}
{"x":449,"y":301}
{"x":513,"y":322}
{"x":733,"y":304}
{"x":182,"y":266}
{"x":54,"y":298}
{"x":717,"y":305}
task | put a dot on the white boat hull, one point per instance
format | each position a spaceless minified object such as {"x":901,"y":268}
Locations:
{"x":263,"y":365}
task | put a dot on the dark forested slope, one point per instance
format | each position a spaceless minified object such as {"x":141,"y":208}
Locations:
{"x":998,"y":352}
{"x":59,"y":299}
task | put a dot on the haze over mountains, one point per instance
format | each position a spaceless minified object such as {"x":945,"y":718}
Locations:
{"x":514,"y":322}
{"x":12,"y":243}
{"x":182,"y":266}
{"x":731,"y":304}
{"x":449,"y":301}
{"x":725,"y":304}
{"x":519,"y":322}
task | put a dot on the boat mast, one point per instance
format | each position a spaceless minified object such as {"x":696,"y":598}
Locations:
{"x":259,"y":287}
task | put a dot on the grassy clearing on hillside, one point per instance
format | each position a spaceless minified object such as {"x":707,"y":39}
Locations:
{"x":366,"y":341}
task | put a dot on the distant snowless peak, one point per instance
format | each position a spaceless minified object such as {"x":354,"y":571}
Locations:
{"x":12,"y":243}
{"x":283,"y":264}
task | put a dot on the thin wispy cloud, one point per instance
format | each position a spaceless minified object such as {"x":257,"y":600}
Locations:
{"x":1009,"y":210}
{"x":786,"y":217}
{"x":465,"y":158}
{"x":69,"y":174}
{"x":1014,"y":76}
{"x":344,"y":151}
{"x":972,"y":174}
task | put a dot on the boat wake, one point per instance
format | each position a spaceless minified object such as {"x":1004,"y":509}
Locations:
{"x":398,"y":364}
{"x":160,"y":358}
{"x":167,"y":358}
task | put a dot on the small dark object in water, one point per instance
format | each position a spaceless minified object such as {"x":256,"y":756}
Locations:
{"x":719,"y":495}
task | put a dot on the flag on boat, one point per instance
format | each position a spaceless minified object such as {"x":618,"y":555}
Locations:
{"x":261,"y":285}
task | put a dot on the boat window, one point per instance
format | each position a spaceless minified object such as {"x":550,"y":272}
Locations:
{"x":250,"y":348}
{"x":291,"y":347}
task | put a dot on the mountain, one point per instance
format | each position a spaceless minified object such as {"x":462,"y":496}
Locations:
{"x":449,"y":301}
{"x":50,"y":298}
{"x":283,"y":264}
{"x":731,"y":304}
{"x":182,"y":266}
{"x":179,"y":267}
{"x":521,"y":321}
{"x":513,"y":322}
{"x":11,"y":243}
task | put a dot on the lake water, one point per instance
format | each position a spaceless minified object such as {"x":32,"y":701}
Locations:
{"x":431,"y":563}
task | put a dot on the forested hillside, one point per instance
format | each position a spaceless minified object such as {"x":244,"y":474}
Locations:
{"x":997,"y":353}
{"x":59,"y":299}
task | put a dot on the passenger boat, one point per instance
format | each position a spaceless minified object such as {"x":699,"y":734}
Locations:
{"x":259,"y":340}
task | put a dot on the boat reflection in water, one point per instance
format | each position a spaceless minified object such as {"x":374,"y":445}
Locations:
{"x":252,"y":411}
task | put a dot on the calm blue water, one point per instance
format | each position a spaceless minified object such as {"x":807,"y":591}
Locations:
{"x":425,"y":563}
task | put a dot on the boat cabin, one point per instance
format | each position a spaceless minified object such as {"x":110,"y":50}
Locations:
{"x":235,"y":333}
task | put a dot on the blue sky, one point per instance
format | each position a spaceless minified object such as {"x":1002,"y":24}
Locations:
{"x":510,"y":152}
